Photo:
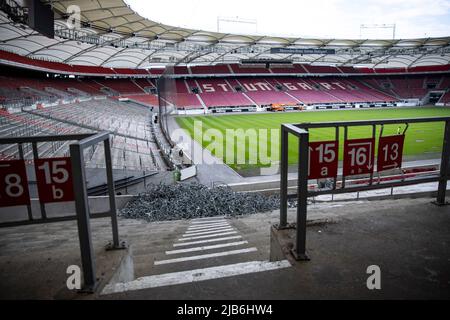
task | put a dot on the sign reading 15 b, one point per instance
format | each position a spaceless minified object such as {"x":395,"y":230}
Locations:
{"x":54,"y":180}
{"x":323,"y":159}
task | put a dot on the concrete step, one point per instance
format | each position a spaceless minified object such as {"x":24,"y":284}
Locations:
{"x":201,"y":243}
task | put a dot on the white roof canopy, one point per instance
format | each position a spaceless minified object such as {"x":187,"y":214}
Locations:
{"x":113,"y":35}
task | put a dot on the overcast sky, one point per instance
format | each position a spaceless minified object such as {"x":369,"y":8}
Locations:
{"x":305,"y":18}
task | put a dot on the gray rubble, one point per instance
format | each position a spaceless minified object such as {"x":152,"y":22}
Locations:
{"x":192,"y":200}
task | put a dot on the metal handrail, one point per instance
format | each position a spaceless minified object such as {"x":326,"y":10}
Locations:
{"x":83,"y":214}
{"x":301,"y":132}
{"x":311,"y":125}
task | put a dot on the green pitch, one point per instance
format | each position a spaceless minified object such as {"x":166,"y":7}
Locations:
{"x":423,"y":139}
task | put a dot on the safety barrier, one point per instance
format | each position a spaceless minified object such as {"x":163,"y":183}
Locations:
{"x":319,"y":160}
{"x":60,"y":180}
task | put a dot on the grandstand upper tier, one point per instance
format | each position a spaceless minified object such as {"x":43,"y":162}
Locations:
{"x":112,"y":35}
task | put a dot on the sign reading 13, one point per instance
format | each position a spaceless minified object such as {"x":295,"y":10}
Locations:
{"x":390,"y":152}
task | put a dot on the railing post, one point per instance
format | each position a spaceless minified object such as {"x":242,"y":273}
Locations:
{"x":82,"y":208}
{"x":35,"y":157}
{"x":21,"y":157}
{"x":284,"y":177}
{"x":442,"y":189}
{"x":299,"y":251}
{"x":112,"y":197}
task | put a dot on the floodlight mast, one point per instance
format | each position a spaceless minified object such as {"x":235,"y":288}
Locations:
{"x":253,"y":22}
{"x":378,"y":26}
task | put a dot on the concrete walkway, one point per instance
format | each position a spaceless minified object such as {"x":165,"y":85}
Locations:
{"x":408,"y":239}
{"x":209,"y":168}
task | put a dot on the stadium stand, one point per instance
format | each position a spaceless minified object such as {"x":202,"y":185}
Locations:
{"x":445,"y":98}
{"x":51,"y":66}
{"x":145,"y":99}
{"x":237,"y":69}
{"x":145,"y":84}
{"x":208,"y":70}
{"x":263,"y":93}
{"x":222,"y":99}
{"x":292,"y":69}
{"x":321,"y":69}
{"x":236,"y":91}
{"x":122,"y":86}
{"x":131,"y":141}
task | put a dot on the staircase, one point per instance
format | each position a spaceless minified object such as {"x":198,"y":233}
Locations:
{"x":197,"y":250}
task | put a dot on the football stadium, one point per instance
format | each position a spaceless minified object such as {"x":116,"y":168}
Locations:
{"x":234,"y":160}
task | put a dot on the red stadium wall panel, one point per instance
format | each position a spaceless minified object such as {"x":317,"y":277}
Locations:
{"x":217,"y":69}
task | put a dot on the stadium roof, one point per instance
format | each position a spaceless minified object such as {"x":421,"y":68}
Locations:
{"x":113,"y":35}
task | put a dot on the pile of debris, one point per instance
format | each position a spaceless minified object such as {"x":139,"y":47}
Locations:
{"x":186,"y":201}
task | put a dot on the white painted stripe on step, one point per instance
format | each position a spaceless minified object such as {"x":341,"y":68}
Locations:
{"x":208,"y":236}
{"x":209,"y":229}
{"x":206,"y":241}
{"x":200,"y":232}
{"x":207,"y":223}
{"x":197,"y":225}
{"x":188,"y":234}
{"x":207,"y":220}
{"x":206,"y":256}
{"x":170,"y":279}
{"x":209,"y":226}
{"x":211,"y":247}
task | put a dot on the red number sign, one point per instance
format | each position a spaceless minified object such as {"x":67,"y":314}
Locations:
{"x":13,"y":184}
{"x":358,"y":156}
{"x":323,"y":159}
{"x":390,"y":152}
{"x":54,"y":180}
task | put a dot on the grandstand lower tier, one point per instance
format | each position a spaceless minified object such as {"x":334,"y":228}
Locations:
{"x":132,"y":144}
{"x":209,"y":94}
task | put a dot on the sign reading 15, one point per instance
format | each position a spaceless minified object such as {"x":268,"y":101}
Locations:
{"x":326,"y":152}
{"x":53,"y":174}
{"x":323,"y":160}
{"x":54,"y":179}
